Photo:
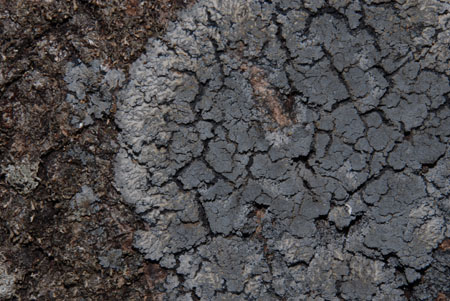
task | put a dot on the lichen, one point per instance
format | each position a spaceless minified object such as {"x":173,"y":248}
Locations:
{"x":288,"y":150}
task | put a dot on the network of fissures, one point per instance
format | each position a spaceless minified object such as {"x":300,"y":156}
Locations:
{"x":287,"y":150}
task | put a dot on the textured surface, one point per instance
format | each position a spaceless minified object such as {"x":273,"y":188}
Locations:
{"x":65,"y":233}
{"x":292,"y":150}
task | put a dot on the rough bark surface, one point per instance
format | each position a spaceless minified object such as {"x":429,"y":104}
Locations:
{"x":64,"y":229}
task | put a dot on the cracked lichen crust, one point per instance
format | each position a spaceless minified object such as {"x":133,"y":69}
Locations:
{"x":291,"y":150}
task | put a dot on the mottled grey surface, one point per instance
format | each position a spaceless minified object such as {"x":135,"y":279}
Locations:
{"x":90,"y":90}
{"x":292,"y":150}
{"x":22,"y":175}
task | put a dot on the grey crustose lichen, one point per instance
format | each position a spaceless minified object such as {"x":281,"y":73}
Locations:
{"x":292,"y":150}
{"x":90,"y":90}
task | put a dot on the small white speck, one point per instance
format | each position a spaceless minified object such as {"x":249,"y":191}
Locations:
{"x":349,"y":209}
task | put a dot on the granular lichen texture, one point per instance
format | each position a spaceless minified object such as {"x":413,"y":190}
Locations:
{"x":292,"y":150}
